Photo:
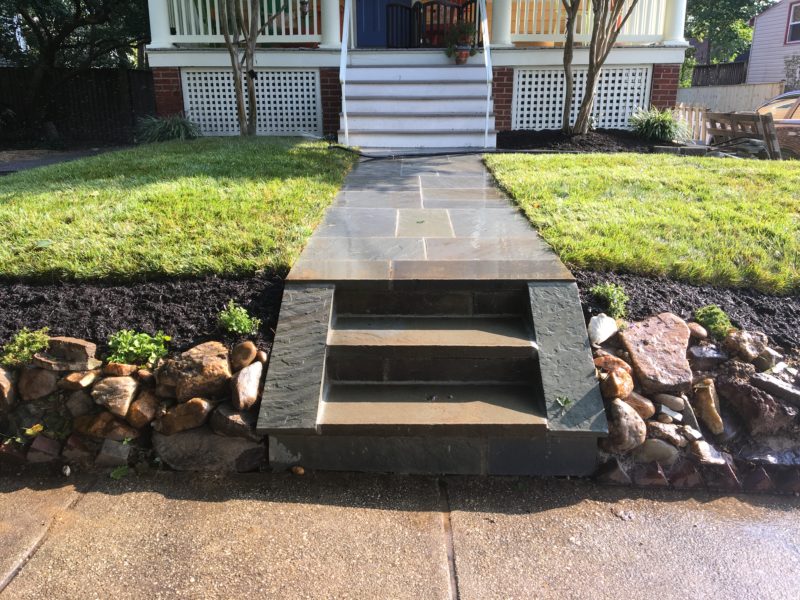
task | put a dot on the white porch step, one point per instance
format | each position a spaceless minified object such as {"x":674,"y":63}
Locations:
{"x":418,"y":121}
{"x":473,"y":138}
{"x":432,"y":73}
{"x":416,"y":88}
{"x":415,"y":105}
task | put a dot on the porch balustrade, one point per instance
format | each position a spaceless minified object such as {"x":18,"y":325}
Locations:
{"x":512,"y":22}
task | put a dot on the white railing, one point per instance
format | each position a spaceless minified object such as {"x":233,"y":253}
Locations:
{"x":483,"y":18}
{"x":545,"y":21}
{"x":694,"y":118}
{"x":346,"y":26}
{"x":198,"y":21}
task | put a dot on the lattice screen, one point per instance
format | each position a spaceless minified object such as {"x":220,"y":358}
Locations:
{"x":539,"y":96}
{"x":288,"y":101}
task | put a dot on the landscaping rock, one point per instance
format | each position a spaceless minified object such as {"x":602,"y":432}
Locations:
{"x":616,"y":384}
{"x":262,"y":357}
{"x":79,"y":403}
{"x":689,"y":417}
{"x":168,"y":373}
{"x":226,"y":420}
{"x":116,"y":394}
{"x":71,"y":349}
{"x":669,"y":433}
{"x":79,"y":380}
{"x":697,"y":331}
{"x":691,"y":434}
{"x":46,"y":361}
{"x":686,"y":476}
{"x":649,"y":475}
{"x":722,"y":478}
{"x":673,"y":402}
{"x":657,"y":347}
{"x":202,"y":450}
{"x":146,"y":376}
{"x":706,"y":405}
{"x":706,"y":358}
{"x":656,"y":450}
{"x":776,"y":387}
{"x":104,"y":426}
{"x":667,"y":415}
{"x":759,"y":411}
{"x":113,"y":369}
{"x":36,"y":383}
{"x":643,"y":406}
{"x":758,"y":480}
{"x":767,"y":360}
{"x":705,"y":453}
{"x":113,"y":454}
{"x":788,"y":481}
{"x":8,"y":395}
{"x":204,"y":372}
{"x":626,"y":429}
{"x":608,"y":362}
{"x":612,"y":473}
{"x":77,"y":450}
{"x":187,"y":415}
{"x":243,"y":355}
{"x":165,"y":391}
{"x":143,"y":410}
{"x":12,"y":455}
{"x":748,"y":345}
{"x":601,"y":328}
{"x":43,"y":450}
{"x":245,"y":386}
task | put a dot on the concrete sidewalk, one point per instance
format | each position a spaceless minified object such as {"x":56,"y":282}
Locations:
{"x":357,"y":536}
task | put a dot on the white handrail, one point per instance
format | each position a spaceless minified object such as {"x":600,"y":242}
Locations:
{"x":348,"y":5}
{"x":487,"y":61}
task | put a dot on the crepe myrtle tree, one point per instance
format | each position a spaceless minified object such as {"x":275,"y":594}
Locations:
{"x":608,"y":19}
{"x":242,"y":24}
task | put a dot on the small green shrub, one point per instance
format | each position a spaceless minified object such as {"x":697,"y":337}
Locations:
{"x":163,"y":129}
{"x":235,"y":319}
{"x":658,"y":125}
{"x":612,"y":297}
{"x":135,"y":348}
{"x":714,"y":319}
{"x":23,"y":346}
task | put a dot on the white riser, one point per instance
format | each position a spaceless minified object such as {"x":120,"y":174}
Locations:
{"x":417,"y":123}
{"x":412,"y":106}
{"x":417,"y":73}
{"x":428,"y":90}
{"x":417,"y":140}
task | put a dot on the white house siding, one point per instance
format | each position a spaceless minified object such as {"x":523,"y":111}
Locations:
{"x":769,"y":52}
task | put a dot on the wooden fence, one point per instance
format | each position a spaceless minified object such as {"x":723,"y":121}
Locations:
{"x":98,"y":105}
{"x":721,"y":74}
{"x":694,"y":118}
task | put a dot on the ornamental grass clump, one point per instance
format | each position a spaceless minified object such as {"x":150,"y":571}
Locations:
{"x":658,"y":125}
{"x":714,"y":319}
{"x":163,"y":129}
{"x":612,"y":297}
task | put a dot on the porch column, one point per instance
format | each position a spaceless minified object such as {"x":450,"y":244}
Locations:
{"x":674,"y":22}
{"x":330,"y":25}
{"x":501,"y":23}
{"x":159,"y":24}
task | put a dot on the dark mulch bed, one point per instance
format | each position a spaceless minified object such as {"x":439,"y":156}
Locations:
{"x":600,"y":140}
{"x":777,"y":316}
{"x":185,"y":309}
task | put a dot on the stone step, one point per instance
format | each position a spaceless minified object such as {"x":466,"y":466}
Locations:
{"x":433,"y":409}
{"x":433,"y":336}
{"x":475,"y":103}
{"x":432,"y":73}
{"x":363,"y":122}
{"x":415,"y":88}
{"x":472,"y":138}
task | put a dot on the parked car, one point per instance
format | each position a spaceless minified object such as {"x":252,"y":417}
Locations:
{"x":785,"y":110}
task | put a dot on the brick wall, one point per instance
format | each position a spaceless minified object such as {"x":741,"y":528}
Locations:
{"x":331,"y":94}
{"x":664,"y":93}
{"x":502,"y":90}
{"x":168,"y":92}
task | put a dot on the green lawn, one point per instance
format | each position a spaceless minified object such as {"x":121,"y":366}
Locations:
{"x":212,"y":205}
{"x":721,"y":221}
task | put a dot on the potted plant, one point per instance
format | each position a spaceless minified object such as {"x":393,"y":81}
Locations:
{"x":460,"y":42}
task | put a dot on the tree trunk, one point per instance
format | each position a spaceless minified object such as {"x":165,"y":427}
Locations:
{"x":249,"y":54}
{"x":228,"y":12}
{"x":572,"y":7}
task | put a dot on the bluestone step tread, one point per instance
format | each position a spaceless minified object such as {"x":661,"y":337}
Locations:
{"x":434,"y":408}
{"x":441,"y":332}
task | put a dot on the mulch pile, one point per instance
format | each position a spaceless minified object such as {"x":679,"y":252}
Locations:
{"x":777,"y":316}
{"x":600,"y":140}
{"x":185,"y":309}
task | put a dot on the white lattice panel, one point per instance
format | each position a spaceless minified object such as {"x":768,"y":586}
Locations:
{"x":288,"y":101}
{"x":538,"y":98}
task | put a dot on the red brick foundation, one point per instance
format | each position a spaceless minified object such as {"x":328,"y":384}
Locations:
{"x":168,"y":92}
{"x":664,"y":93}
{"x":502,"y":90}
{"x":331,"y":95}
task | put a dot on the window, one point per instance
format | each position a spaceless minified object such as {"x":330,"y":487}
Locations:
{"x":793,"y":32}
{"x":779,"y":109}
